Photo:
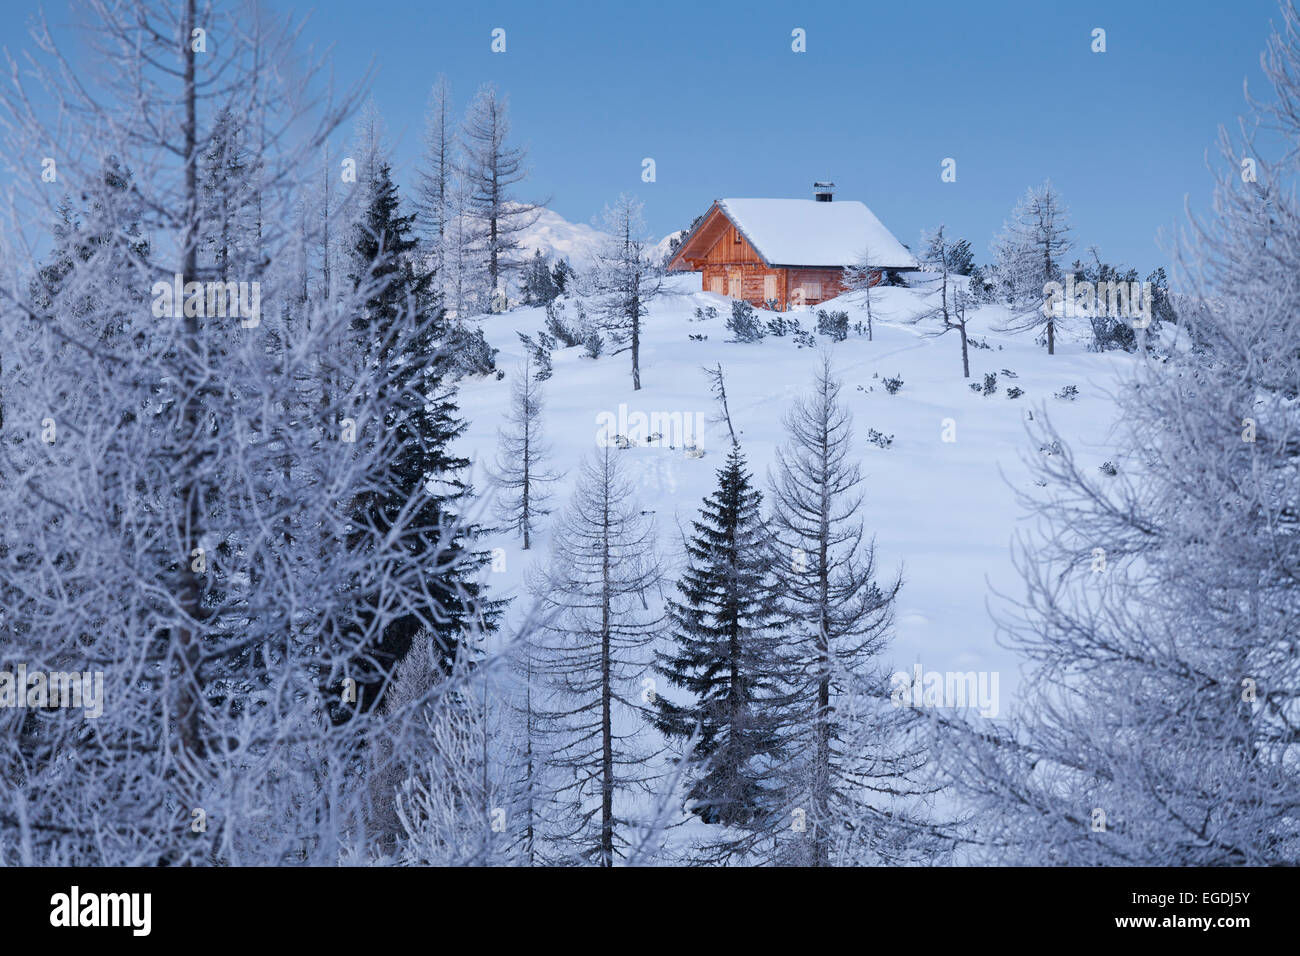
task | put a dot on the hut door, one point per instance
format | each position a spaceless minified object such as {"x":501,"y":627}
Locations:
{"x":769,"y":288}
{"x":733,"y":285}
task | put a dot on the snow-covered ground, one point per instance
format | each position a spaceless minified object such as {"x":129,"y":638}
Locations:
{"x":943,"y":510}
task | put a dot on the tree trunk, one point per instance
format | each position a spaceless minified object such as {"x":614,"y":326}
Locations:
{"x":524,"y":517}
{"x":636,"y":344}
{"x":822,"y":756}
{"x":189,"y":596}
{"x":606,"y":723}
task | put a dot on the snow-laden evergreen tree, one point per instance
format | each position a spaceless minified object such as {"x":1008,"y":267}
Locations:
{"x":624,"y":280}
{"x":491,"y":169}
{"x":1158,"y":724}
{"x":155,"y":449}
{"x":424,"y":486}
{"x":562,"y":274}
{"x":538,"y":281}
{"x":591,"y":654}
{"x":230,"y":209}
{"x":859,"y":774}
{"x":521,"y":474}
{"x":1030,"y":252}
{"x":107,"y":232}
{"x":729,"y":657}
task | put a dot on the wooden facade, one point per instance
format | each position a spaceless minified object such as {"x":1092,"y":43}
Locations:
{"x":730,"y":265}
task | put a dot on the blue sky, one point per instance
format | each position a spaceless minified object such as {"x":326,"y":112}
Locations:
{"x":713,"y":92}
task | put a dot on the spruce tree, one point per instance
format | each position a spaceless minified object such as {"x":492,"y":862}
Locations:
{"x":402,"y":327}
{"x":728,"y":656}
{"x":539,"y":283}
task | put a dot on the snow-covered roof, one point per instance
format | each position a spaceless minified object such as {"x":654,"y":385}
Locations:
{"x":805,"y":232}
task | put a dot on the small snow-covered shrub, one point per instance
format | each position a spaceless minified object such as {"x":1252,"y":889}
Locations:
{"x":1015,"y":392}
{"x":990,"y":383}
{"x":470,"y":352}
{"x":892,"y":385}
{"x":834,"y":324}
{"x":1110,"y":333}
{"x":879,"y":439}
{"x":744,"y":323}
{"x":1108,"y":468}
{"x":556,"y":326}
{"x":593,"y":345}
{"x":1069,"y":393}
{"x":703,"y":314}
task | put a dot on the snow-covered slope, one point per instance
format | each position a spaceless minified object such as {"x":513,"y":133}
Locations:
{"x":943,"y":510}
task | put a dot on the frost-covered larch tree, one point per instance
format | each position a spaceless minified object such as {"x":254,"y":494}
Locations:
{"x":858,"y":779}
{"x":180,"y":472}
{"x":521,"y":475}
{"x":591,"y":654}
{"x":1159,"y":725}
{"x":624,"y":279}
{"x":1030,"y":252}
{"x":949,"y":312}
{"x":862,"y":277}
{"x":491,"y":168}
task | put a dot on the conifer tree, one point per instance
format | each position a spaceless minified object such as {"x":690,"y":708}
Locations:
{"x":1030,"y":253}
{"x":1158,"y":725}
{"x":539,"y":282}
{"x":491,"y":169}
{"x":402,"y":327}
{"x":728,"y":656}
{"x":521,"y":475}
{"x":624,"y":279}
{"x":590,"y":653}
{"x":858,"y":761}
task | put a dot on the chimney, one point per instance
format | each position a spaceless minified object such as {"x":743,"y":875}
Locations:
{"x":822,"y":191}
